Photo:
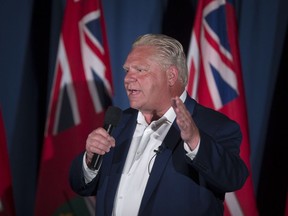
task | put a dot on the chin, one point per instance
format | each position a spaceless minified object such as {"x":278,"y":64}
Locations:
{"x":134,"y":105}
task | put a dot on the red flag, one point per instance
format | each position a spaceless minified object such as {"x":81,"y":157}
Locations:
{"x":215,"y":80}
{"x":81,"y":92}
{"x":6,"y":192}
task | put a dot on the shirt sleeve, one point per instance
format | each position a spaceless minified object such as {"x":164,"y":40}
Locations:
{"x":88,"y":173}
{"x":191,"y":154}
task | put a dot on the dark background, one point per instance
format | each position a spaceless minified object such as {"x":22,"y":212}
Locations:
{"x":29,"y":32}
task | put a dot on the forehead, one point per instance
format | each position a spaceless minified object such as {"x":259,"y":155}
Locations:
{"x":142,"y":54}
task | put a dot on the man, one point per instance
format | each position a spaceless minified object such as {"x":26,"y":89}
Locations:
{"x":169,"y":155}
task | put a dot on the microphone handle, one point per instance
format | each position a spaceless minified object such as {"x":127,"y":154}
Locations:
{"x":97,"y":159}
{"x":96,"y":162}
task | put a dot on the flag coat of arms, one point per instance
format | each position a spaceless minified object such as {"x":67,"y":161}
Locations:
{"x":215,"y":81}
{"x":81,"y":92}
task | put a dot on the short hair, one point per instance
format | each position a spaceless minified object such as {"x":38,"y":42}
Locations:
{"x":169,"y":50}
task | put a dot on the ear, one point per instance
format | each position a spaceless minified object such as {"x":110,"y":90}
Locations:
{"x":172,"y":74}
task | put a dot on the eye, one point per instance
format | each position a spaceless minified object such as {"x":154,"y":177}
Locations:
{"x":136,"y":69}
{"x":126,"y":70}
{"x":141,"y":69}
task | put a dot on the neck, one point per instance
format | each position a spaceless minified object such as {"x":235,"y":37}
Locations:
{"x":153,"y":116}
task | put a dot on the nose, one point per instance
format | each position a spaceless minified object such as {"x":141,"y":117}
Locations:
{"x":130,"y":77}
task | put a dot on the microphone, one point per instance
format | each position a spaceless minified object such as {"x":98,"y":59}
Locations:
{"x":111,"y":120}
{"x":159,"y":150}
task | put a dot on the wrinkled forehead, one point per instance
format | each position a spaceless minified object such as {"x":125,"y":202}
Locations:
{"x":142,"y":54}
{"x":146,"y":56}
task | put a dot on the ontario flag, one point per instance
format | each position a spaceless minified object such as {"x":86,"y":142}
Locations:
{"x":215,"y":80}
{"x":81,"y":92}
{"x":6,"y":192}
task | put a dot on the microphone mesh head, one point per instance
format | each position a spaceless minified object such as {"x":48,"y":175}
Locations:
{"x":112,"y":116}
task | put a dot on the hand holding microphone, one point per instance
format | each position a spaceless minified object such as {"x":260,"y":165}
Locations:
{"x":99,"y":141}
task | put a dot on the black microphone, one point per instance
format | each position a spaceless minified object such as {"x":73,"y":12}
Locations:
{"x":159,"y":150}
{"x":111,"y":120}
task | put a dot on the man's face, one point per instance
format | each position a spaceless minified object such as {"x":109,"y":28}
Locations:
{"x":146,"y":81}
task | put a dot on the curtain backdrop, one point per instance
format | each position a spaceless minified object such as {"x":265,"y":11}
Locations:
{"x":28,"y":45}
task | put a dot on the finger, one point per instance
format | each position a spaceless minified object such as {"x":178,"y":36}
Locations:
{"x":99,"y":142}
{"x":178,"y":105}
{"x":100,"y":131}
{"x":174,"y":103}
{"x":182,"y":114}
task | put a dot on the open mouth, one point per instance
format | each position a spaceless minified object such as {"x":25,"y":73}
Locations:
{"x":133,"y":91}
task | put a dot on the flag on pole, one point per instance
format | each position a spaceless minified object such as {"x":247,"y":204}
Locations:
{"x":81,"y":92}
{"x":215,"y":80}
{"x":6,"y":191}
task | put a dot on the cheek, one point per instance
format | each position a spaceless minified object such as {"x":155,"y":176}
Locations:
{"x":149,"y":85}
